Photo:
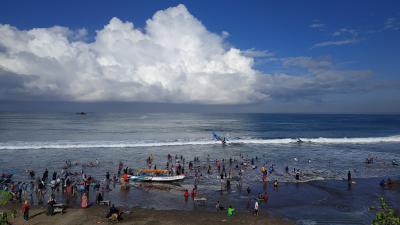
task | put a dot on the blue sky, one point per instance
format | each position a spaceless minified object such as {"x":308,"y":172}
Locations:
{"x":351,"y":35}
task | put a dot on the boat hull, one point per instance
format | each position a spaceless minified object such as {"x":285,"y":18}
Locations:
{"x":157,"y":178}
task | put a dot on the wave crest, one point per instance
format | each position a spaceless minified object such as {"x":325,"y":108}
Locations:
{"x":72,"y":145}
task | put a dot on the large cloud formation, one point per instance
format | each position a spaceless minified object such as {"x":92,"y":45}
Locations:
{"x":174,"y":58}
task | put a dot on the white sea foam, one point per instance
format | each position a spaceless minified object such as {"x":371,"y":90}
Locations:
{"x":305,"y":141}
{"x":71,"y":145}
{"x":321,"y":140}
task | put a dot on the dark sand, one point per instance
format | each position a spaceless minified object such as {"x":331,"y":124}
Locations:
{"x":95,"y":215}
{"x":320,"y":202}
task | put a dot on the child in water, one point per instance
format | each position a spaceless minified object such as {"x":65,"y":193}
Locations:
{"x":230,"y":211}
{"x":186,"y":194}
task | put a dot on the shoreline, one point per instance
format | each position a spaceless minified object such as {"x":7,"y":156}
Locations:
{"x":138,"y":216}
{"x":319,"y":201}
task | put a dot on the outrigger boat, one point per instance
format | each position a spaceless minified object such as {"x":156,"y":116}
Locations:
{"x":222,"y":139}
{"x":155,"y":176}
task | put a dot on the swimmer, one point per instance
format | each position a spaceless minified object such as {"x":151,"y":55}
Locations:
{"x":248,"y":190}
{"x":276,"y":183}
{"x":382,"y":183}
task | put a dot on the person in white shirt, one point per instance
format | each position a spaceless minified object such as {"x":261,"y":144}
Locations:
{"x":256,"y":208}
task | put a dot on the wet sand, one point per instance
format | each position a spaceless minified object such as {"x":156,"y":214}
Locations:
{"x":325,"y":202}
{"x":138,"y":216}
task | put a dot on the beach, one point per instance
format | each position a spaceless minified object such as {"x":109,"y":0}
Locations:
{"x":320,"y":202}
{"x":94,"y":151}
{"x":95,"y":215}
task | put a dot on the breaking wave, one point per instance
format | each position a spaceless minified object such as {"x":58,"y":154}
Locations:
{"x":115,"y":144}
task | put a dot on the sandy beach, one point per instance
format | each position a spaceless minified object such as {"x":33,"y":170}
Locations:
{"x":138,"y":216}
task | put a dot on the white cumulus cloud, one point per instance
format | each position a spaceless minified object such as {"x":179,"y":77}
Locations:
{"x":173,"y":59}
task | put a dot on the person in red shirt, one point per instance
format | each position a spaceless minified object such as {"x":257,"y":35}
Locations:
{"x":194,"y":192}
{"x":125,"y":177}
{"x":186,"y":194}
{"x":25,"y":210}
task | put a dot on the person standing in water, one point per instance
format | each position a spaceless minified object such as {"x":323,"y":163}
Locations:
{"x":45,"y":175}
{"x":349,"y":176}
{"x":256,"y":208}
{"x":84,"y":203}
{"x":50,"y":205}
{"x":248,"y":190}
{"x":25,"y":210}
{"x":186,"y":195}
{"x":275,"y":184}
{"x":230,"y":211}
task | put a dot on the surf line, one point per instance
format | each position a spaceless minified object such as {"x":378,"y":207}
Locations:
{"x":304,"y":141}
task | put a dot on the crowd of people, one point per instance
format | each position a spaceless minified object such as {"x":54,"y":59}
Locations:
{"x":70,"y":187}
{"x":79,"y":185}
{"x":228,"y":171}
{"x":75,"y":186}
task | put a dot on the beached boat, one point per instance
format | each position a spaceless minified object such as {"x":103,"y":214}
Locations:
{"x":155,"y":176}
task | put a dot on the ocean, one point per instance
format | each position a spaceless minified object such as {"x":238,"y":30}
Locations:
{"x":331,"y":145}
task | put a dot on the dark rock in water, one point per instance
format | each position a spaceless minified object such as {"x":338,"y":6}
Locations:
{"x":81,"y":113}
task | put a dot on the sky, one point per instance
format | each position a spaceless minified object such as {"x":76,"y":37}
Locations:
{"x":223,"y":56}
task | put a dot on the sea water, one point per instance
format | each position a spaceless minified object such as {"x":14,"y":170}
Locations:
{"x":331,"y":144}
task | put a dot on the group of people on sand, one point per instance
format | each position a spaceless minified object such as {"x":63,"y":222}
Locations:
{"x":78,"y":185}
{"x":71,"y":184}
{"x":66,"y":184}
{"x":25,"y":207}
